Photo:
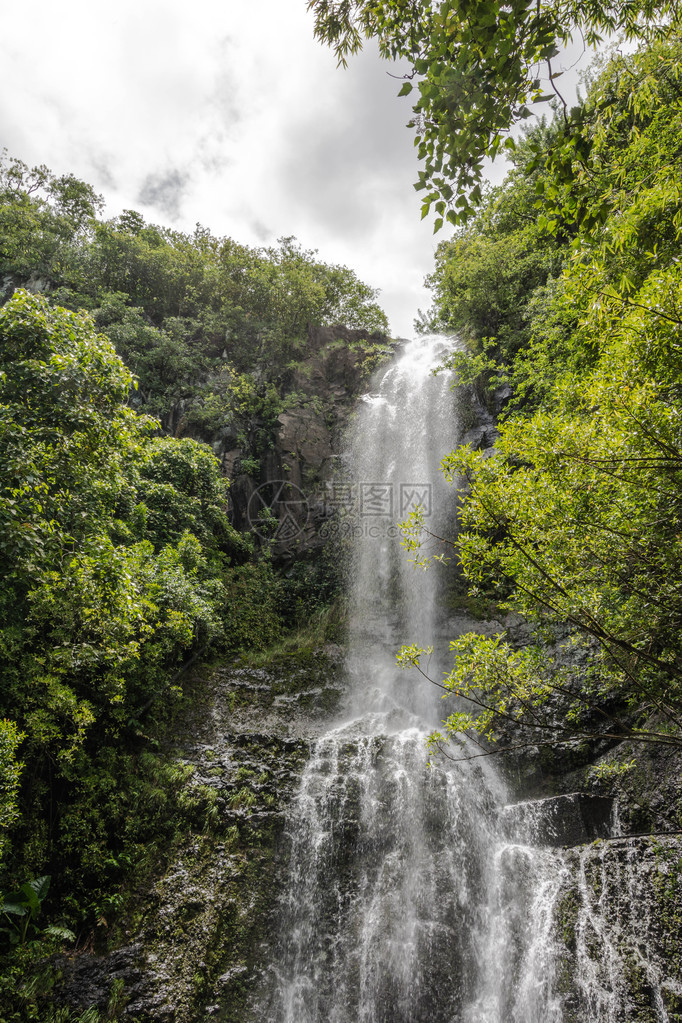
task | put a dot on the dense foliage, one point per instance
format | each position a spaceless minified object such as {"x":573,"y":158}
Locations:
{"x":118,"y":562}
{"x":475,"y":69}
{"x":577,"y":518}
{"x":116,"y":559}
{"x":212,"y":329}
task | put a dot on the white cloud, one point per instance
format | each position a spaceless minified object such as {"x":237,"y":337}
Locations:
{"x":226,"y":113}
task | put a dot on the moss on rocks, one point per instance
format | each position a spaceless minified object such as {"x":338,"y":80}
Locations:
{"x":187,"y":946}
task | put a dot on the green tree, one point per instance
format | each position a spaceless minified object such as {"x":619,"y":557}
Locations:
{"x":190,"y":314}
{"x":483,"y":283}
{"x":113,"y":550}
{"x":576,"y":520}
{"x":475,"y":71}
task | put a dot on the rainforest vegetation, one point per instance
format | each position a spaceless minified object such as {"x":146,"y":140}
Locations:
{"x":565,"y":287}
{"x":125,"y":346}
{"x":117,"y":558}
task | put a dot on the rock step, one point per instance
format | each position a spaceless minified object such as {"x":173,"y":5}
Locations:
{"x":559,"y":821}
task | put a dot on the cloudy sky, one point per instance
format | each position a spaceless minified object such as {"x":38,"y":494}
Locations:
{"x":225,"y":113}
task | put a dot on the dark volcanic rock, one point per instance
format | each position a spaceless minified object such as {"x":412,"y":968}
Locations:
{"x":193,"y":949}
{"x":88,"y":979}
{"x":567,"y":820}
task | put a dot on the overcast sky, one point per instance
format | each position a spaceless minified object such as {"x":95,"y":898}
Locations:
{"x":225,"y":113}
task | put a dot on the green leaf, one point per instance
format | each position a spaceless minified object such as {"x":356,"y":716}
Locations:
{"x":30,"y":897}
{"x":14,"y":908}
{"x":63,"y":933}
{"x":40,"y":885}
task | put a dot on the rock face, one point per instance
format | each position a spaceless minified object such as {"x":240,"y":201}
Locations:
{"x":618,"y":932}
{"x":192,"y":949}
{"x":336,"y":364}
{"x":566,"y":820}
{"x":304,"y":446}
{"x":589,"y":934}
{"x":305,"y":439}
{"x":590,"y":929}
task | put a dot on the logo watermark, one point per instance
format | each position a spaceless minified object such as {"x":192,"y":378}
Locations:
{"x":279,"y":511}
{"x":378,"y":499}
{"x":350,"y":529}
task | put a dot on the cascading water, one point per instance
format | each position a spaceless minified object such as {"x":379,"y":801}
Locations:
{"x":406,"y":901}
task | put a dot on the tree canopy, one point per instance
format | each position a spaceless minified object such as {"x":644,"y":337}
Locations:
{"x":196,"y":317}
{"x":117,"y":562}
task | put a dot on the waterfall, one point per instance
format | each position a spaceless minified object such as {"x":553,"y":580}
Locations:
{"x":406,"y":900}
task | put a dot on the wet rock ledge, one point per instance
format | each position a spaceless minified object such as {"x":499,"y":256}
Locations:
{"x":560,"y":821}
